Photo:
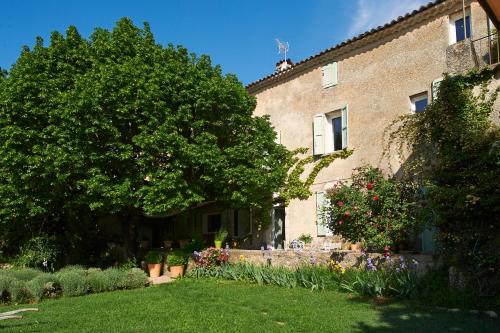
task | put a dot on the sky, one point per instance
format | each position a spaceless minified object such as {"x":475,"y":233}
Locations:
{"x":237,"y":34}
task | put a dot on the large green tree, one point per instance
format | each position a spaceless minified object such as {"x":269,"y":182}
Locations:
{"x":118,"y":123}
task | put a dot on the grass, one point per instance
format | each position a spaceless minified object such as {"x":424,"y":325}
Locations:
{"x":192,"y":305}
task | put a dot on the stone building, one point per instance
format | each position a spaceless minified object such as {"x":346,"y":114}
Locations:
{"x":346,"y":95}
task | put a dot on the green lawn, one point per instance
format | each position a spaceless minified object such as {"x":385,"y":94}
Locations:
{"x":228,"y":306}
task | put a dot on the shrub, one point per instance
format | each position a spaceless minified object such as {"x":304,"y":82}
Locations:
{"x":38,"y":252}
{"x":73,"y":283}
{"x":177,"y":258}
{"x":116,"y":277}
{"x":97,"y":281}
{"x":153,"y":257}
{"x":23,"y":274}
{"x":5,"y":282}
{"x":370,"y":210}
{"x":75,"y":269}
{"x":306,"y":238}
{"x":195,"y":244}
{"x":18,"y":292}
{"x":211,"y":257}
{"x":136,"y":278}
{"x":45,"y":285}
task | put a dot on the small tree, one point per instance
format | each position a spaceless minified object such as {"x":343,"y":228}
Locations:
{"x":370,"y":210}
{"x":118,"y":124}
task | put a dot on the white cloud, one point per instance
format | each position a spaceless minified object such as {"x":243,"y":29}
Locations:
{"x":373,"y":13}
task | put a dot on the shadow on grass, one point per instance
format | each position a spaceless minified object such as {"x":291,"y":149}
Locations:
{"x":398,"y":316}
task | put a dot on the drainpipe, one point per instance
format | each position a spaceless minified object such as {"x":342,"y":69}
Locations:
{"x":465,"y":22}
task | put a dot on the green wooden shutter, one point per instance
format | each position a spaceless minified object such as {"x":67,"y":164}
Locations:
{"x":344,"y":127}
{"x":319,"y":134}
{"x":320,"y":202}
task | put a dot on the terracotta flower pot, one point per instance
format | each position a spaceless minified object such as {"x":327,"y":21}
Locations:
{"x":356,"y":247}
{"x":218,"y":244}
{"x":176,"y":271}
{"x":154,"y":270}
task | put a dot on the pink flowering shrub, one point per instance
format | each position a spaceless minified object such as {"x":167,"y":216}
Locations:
{"x":211,"y":257}
{"x":370,"y":210}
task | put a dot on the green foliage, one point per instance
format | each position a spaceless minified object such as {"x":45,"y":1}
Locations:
{"x":177,"y":258}
{"x":295,"y":187}
{"x":371,"y":210}
{"x":455,"y":159}
{"x":117,"y":123}
{"x":311,"y":277}
{"x":97,"y":281}
{"x":306,"y":238}
{"x":45,"y":285}
{"x":136,"y":278}
{"x":74,"y":269}
{"x":5,"y":282}
{"x":221,"y":234}
{"x":23,"y":274}
{"x":154,"y":257}
{"x":195,"y":244}
{"x":23,"y":285}
{"x":116,"y":278}
{"x":38,"y":252}
{"x":72,"y":283}
{"x":18,"y":293}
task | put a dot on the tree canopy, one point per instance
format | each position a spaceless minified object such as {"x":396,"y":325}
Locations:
{"x":118,"y":122}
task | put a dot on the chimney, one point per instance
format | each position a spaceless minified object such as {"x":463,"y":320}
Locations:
{"x":283,"y":65}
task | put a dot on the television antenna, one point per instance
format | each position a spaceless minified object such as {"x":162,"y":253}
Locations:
{"x":283,"y":47}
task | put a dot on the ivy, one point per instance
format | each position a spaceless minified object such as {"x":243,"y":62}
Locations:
{"x":450,"y":157}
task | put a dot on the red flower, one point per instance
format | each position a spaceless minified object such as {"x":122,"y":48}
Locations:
{"x":369,"y":186}
{"x":347,"y":214}
{"x":340,"y":203}
{"x":375,"y":198}
{"x":340,"y":222}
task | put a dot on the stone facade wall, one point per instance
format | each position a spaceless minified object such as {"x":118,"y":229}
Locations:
{"x":376,"y":81}
{"x":294,"y":259}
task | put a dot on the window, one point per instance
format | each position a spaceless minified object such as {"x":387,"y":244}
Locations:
{"x":330,"y":132}
{"x":212,"y":223}
{"x":241,"y":223}
{"x":457,"y":30}
{"x":329,"y":75}
{"x":337,"y":133}
{"x":419,"y":102}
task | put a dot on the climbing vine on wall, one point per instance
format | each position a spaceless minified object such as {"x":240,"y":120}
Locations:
{"x":297,"y":188}
{"x":451,"y":154}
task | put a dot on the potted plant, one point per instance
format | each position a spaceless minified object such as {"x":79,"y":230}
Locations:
{"x":220,"y":236}
{"x":307,"y":239}
{"x":154,"y":259}
{"x":176,"y":261}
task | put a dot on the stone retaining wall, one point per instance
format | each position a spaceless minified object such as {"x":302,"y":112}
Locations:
{"x":293,"y":258}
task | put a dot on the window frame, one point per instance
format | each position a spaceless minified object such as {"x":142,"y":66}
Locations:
{"x":416,"y":98}
{"x":206,"y":220}
{"x":453,"y":18}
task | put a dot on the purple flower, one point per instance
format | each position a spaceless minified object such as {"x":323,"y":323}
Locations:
{"x":370,"y":265}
